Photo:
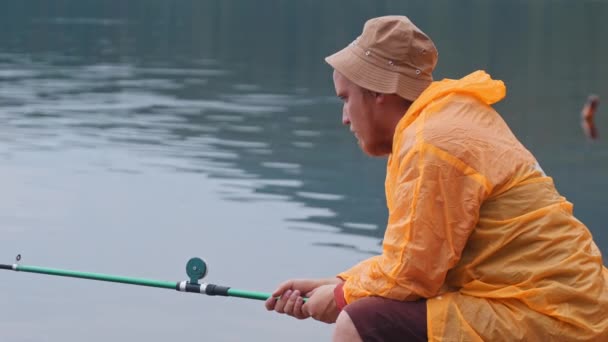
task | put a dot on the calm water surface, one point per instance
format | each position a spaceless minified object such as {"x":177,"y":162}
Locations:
{"x":136,"y":135}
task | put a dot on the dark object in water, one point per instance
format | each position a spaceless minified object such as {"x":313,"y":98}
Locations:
{"x":587,"y":114}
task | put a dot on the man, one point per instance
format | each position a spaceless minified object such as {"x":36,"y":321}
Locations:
{"x":479,"y":245}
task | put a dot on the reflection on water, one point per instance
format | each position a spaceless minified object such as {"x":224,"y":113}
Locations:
{"x":154,"y":126}
{"x":245,"y":137}
{"x":83,"y":123}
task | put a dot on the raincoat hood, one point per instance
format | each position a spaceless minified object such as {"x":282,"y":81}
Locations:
{"x":478,"y":84}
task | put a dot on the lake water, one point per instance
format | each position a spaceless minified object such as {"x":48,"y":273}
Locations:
{"x":137,"y":134}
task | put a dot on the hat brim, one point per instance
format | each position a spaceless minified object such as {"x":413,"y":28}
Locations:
{"x":372,"y":77}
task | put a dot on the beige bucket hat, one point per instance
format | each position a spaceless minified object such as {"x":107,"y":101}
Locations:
{"x":391,"y":56}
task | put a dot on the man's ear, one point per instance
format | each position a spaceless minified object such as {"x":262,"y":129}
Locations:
{"x":380,"y":98}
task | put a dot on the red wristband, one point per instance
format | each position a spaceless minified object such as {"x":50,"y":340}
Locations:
{"x":339,"y":296}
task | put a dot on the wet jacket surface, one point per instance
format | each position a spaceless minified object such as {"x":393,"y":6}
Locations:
{"x":477,"y":227}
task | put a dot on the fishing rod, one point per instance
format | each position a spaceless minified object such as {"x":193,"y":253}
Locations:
{"x":196,"y":269}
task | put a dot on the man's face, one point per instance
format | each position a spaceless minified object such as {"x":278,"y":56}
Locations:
{"x":358,"y":112}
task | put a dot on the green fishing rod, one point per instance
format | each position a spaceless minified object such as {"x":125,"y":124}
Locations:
{"x":196,"y":269}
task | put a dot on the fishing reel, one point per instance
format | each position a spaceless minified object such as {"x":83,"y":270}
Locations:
{"x":196,"y":269}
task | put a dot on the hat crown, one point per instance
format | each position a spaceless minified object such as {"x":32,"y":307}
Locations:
{"x":398,"y":40}
{"x":391,"y":56}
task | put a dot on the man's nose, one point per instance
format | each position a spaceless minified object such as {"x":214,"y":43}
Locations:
{"x":345,"y":119}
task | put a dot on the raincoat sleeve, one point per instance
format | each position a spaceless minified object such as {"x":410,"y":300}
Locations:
{"x":433,"y":199}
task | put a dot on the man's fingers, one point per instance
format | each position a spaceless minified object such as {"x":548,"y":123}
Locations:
{"x":291,"y":302}
{"x":270,"y":303}
{"x":304,"y":310}
{"x":280,"y":305}
{"x":297,"y":309}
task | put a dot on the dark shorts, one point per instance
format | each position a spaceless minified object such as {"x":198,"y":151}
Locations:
{"x":386,"y":320}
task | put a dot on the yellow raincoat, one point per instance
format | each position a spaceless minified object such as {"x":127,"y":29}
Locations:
{"x":477,"y":227}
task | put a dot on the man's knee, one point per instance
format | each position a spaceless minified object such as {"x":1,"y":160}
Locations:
{"x":345,"y":329}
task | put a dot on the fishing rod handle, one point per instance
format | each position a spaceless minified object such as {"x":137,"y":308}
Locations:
{"x":218,"y":290}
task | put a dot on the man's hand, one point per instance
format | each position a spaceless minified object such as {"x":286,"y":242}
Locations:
{"x":321,"y":304}
{"x":287,"y":298}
